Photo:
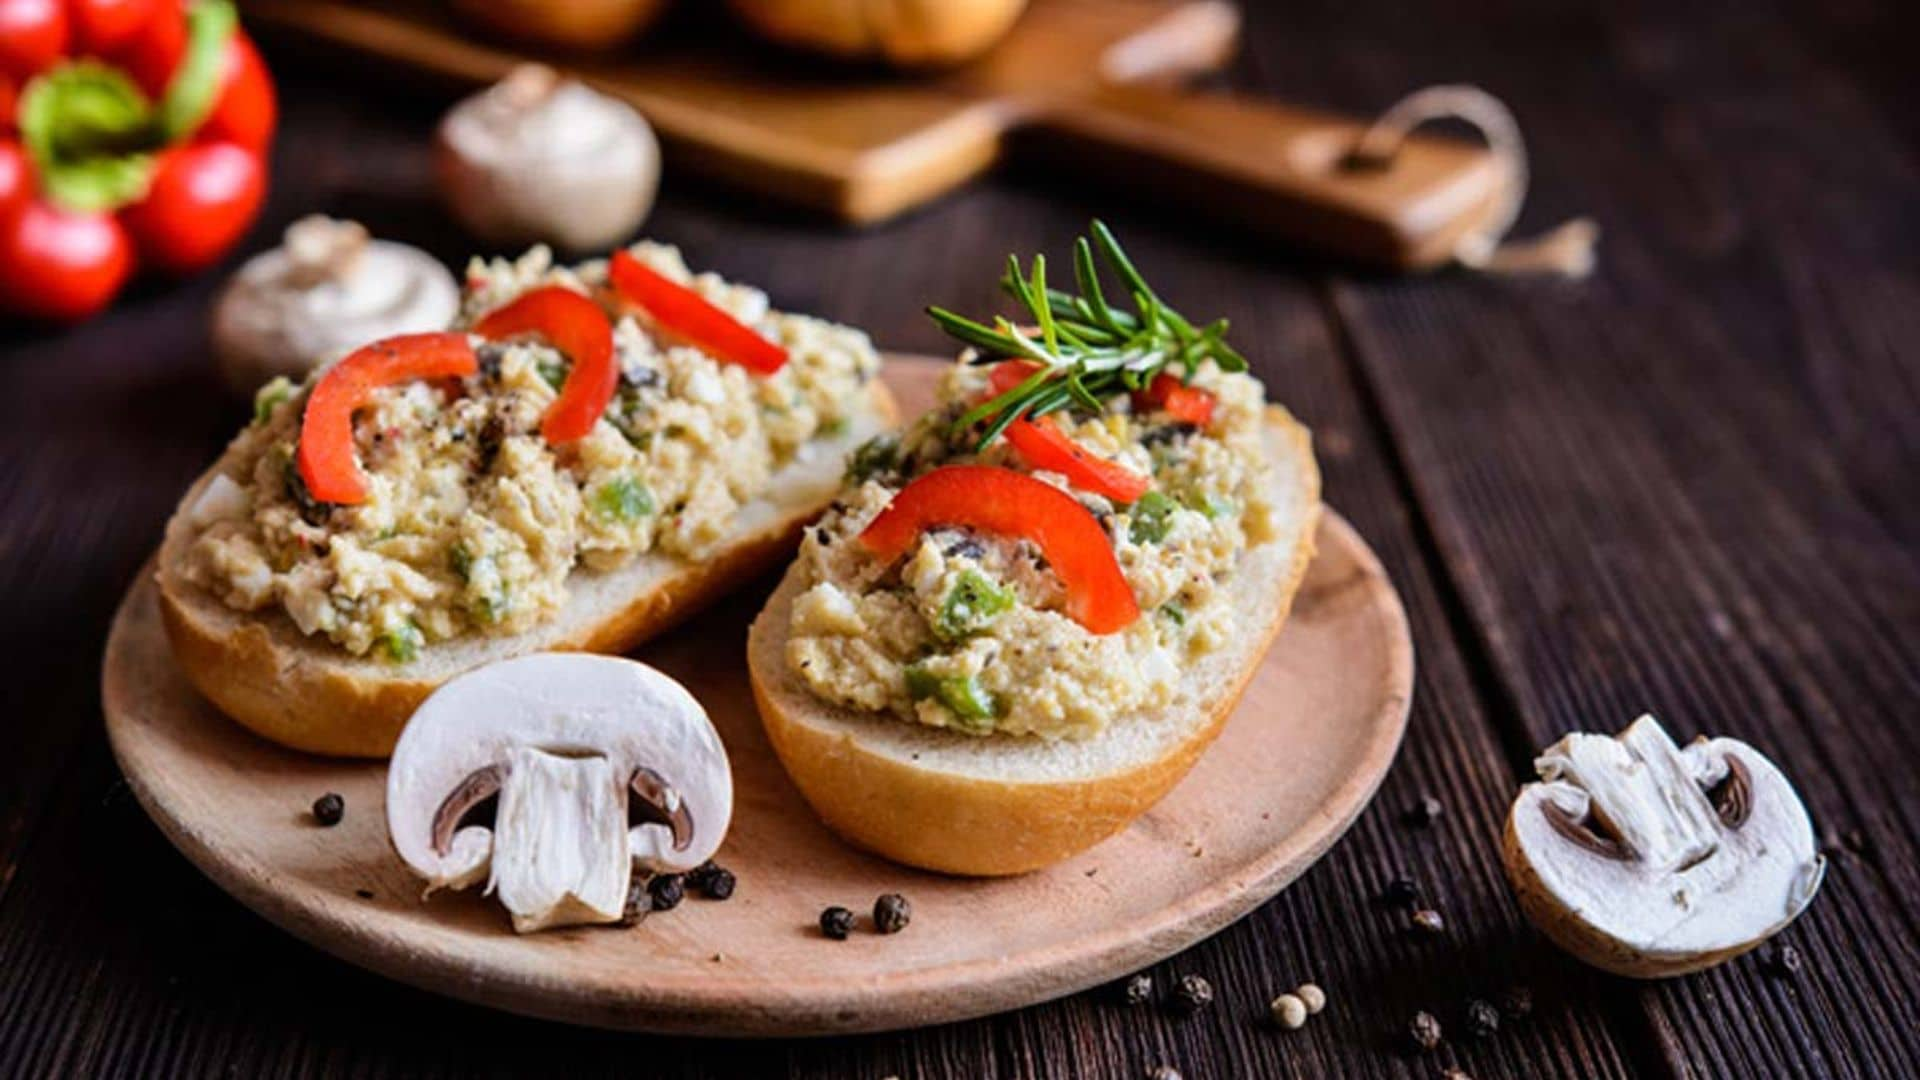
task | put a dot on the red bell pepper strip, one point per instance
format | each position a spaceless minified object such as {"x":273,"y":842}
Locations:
{"x":577,"y":327}
{"x":1044,"y":446}
{"x":1012,"y":504}
{"x":687,"y":315}
{"x":1182,"y":402}
{"x":325,"y":458}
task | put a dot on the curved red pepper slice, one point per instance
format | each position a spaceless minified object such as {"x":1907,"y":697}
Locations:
{"x":1182,"y":402}
{"x":325,"y":457}
{"x":1045,"y":446}
{"x":1013,"y":504}
{"x":685,"y":314}
{"x":577,"y":327}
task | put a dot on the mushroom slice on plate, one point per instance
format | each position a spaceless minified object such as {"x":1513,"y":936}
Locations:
{"x":568,"y":749}
{"x":1649,"y":860}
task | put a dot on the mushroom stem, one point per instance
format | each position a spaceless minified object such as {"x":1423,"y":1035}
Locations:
{"x":654,"y":790}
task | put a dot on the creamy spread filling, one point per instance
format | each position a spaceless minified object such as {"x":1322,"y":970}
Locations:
{"x":474,"y":523}
{"x":968,"y":630}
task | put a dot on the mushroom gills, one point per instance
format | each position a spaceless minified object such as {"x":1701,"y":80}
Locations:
{"x":560,"y":840}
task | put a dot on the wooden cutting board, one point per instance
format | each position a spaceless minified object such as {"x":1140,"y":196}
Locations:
{"x":1090,"y":84}
{"x":1298,"y":760}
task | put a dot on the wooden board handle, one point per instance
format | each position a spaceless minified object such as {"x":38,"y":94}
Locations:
{"x":1281,"y":169}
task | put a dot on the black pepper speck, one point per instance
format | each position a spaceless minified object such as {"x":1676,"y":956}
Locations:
{"x":1193,"y":993}
{"x":667,"y":891}
{"x":1138,"y":990}
{"x":836,"y":923}
{"x":1516,"y":1003}
{"x":891,"y":913}
{"x":1424,"y":1030}
{"x":1400,"y":893}
{"x":1483,"y":1020}
{"x":1424,"y":813}
{"x":328,"y":809}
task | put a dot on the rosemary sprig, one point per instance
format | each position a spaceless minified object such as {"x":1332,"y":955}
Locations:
{"x":1088,"y":350}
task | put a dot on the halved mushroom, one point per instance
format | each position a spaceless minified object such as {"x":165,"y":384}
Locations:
{"x":1648,"y":860}
{"x":593,"y":765}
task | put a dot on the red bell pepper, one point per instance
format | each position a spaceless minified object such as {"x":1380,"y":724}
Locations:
{"x":325,"y":458}
{"x":685,"y":314}
{"x":1012,"y":504}
{"x":1182,"y":402}
{"x":577,"y":327}
{"x":1044,"y":446}
{"x":143,"y":124}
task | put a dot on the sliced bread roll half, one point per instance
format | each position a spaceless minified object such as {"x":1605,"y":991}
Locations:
{"x":996,"y":804}
{"x":310,"y":694}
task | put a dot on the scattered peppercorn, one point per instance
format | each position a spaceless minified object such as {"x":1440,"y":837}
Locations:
{"x":1516,"y":1003}
{"x":1781,"y":961}
{"x":1289,"y":1011}
{"x":1424,"y":1030}
{"x":836,"y":922}
{"x":328,"y":809}
{"x":1138,"y":989}
{"x":1400,"y":893}
{"x":1193,"y":993}
{"x":1424,"y":813}
{"x":1314,"y":998}
{"x":891,"y":913}
{"x":1483,"y":1020}
{"x":1455,"y":1072}
{"x":667,"y":891}
{"x":639,"y":902}
{"x":364,"y":894}
{"x":1165,"y":1072}
{"x":1429,"y":922}
{"x":712,"y":879}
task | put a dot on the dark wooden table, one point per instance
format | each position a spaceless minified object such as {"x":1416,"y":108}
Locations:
{"x":1685,"y":486}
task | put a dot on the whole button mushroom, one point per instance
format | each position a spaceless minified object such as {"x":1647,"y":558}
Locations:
{"x":570,"y":745}
{"x":541,"y":159}
{"x":1649,"y":860}
{"x":327,"y":289}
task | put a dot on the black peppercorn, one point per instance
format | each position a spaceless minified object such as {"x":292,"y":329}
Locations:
{"x":1424,"y":1030}
{"x":1138,"y":990}
{"x":1429,"y":922}
{"x":1516,"y":1003}
{"x":836,"y":923}
{"x":1400,"y":893}
{"x":719,"y":884}
{"x":1424,"y":812}
{"x":328,"y":809}
{"x":667,"y":891}
{"x":1483,"y":1020}
{"x":1193,"y":993}
{"x":639,"y":902}
{"x":1781,"y":961}
{"x":891,"y":913}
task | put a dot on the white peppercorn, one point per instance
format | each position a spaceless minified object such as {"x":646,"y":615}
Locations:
{"x":1289,"y":1011}
{"x":1312,"y":997}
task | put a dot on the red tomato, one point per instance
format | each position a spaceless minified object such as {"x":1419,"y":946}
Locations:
{"x":60,"y":265}
{"x":245,"y":110}
{"x":101,"y":26}
{"x":203,"y":197}
{"x":33,"y":34}
{"x":16,"y":177}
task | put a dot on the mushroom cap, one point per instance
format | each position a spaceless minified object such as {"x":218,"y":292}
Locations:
{"x":281,"y":315}
{"x":538,"y":158}
{"x":1626,"y":917}
{"x":564,"y":703}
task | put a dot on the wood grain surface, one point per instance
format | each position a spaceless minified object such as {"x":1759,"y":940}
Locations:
{"x":1684,"y":485}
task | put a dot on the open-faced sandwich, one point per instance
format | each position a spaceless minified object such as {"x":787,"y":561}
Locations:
{"x":1025,"y":617}
{"x":589,"y":454}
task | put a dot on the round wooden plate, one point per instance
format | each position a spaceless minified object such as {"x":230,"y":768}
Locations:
{"x":1298,"y":760}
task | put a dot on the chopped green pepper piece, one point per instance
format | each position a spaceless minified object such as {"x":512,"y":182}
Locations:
{"x":553,"y":371}
{"x":402,"y":643}
{"x":622,"y":500}
{"x":1175,"y":614}
{"x":962,"y":695}
{"x":1214,"y":506}
{"x":270,"y":397}
{"x":460,"y":561}
{"x":877,"y":455}
{"x":974,"y":603}
{"x":836,"y":426}
{"x":1152,"y":518}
